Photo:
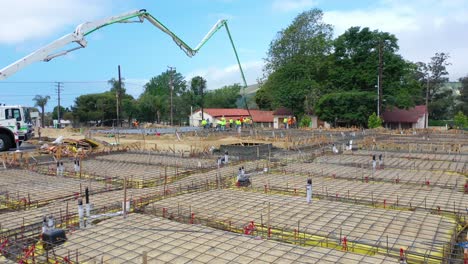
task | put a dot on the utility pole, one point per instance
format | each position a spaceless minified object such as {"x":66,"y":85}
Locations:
{"x":171,"y":86}
{"x":59,"y":89}
{"x":426,"y":123}
{"x":378,"y":96}
{"x":117,"y":95}
{"x":380,"y":81}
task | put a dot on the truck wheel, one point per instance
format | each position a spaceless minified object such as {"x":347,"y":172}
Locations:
{"x":4,"y":142}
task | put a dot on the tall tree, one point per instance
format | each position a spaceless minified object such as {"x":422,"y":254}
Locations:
{"x":225,"y":97}
{"x":297,"y":64}
{"x":118,"y":88}
{"x":198,"y":87}
{"x":308,"y":35}
{"x":346,"y":108}
{"x":41,"y":101}
{"x":433,"y":76}
{"x":356,"y":66}
{"x":99,"y":108}
{"x":159,"y":87}
{"x":463,"y":106}
{"x":63,"y":110}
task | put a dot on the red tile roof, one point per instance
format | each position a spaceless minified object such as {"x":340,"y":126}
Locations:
{"x":262,"y":116}
{"x":397,"y":115}
{"x":234,"y":113}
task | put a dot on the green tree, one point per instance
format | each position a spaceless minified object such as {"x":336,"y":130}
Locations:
{"x":374,"y":121}
{"x":151,"y":107}
{"x":305,"y":121}
{"x":159,"y":87}
{"x":356,"y":61}
{"x":296,"y":65}
{"x":463,"y":106}
{"x":433,"y":76}
{"x":307,"y":35}
{"x":225,"y":97}
{"x":198,"y":87}
{"x":346,"y":108}
{"x":118,"y":88}
{"x":63,"y":110}
{"x":289,"y":86}
{"x":41,"y":101}
{"x":100,"y":108}
{"x":460,"y":120}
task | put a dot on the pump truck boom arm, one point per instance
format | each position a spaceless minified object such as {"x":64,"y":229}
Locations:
{"x":52,"y":50}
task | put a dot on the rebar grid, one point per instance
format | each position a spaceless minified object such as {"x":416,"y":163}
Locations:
{"x":417,"y":177}
{"x":124,"y":241}
{"x":23,"y":188}
{"x":403,"y":163}
{"x":384,"y":230}
{"x":378,"y":194}
{"x":152,"y":158}
{"x":454,"y":157}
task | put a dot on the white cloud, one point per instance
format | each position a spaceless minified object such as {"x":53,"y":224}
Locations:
{"x":422,"y":27}
{"x":218,"y":77}
{"x":26,"y":20}
{"x":292,"y":5}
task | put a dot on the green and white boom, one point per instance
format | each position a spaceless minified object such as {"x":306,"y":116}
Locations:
{"x":51,"y":51}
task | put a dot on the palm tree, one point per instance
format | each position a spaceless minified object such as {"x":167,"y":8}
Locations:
{"x":41,"y":102}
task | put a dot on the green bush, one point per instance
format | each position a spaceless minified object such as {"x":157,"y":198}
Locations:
{"x":460,"y":120}
{"x":305,"y":121}
{"x":374,"y":121}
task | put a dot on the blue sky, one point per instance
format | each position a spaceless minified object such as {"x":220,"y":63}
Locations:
{"x":423,"y":27}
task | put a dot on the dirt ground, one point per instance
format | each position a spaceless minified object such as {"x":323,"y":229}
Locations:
{"x":162,"y":142}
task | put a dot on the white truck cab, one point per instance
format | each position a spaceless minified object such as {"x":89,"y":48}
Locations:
{"x":14,"y":119}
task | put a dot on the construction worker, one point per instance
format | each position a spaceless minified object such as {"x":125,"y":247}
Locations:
{"x":242,"y":120}
{"x":223,"y":123}
{"x":285,"y":122}
{"x":204,"y":123}
{"x":238,"y":125}
{"x":231,"y":123}
{"x":246,"y":122}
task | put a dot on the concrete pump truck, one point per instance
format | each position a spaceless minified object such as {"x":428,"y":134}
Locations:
{"x":16,"y":119}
